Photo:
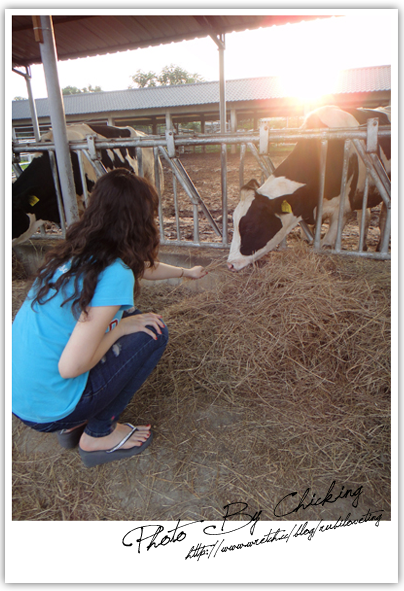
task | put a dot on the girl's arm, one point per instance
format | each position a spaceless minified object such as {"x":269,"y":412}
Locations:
{"x":164,"y":271}
{"x":89,"y":342}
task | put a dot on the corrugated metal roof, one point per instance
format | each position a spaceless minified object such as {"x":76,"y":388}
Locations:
{"x":373,"y":79}
{"x":86,"y":35}
{"x":364,"y":79}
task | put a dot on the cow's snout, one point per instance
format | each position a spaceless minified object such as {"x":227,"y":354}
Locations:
{"x":237,"y":264}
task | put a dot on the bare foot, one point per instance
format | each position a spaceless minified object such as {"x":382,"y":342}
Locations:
{"x":88,"y":443}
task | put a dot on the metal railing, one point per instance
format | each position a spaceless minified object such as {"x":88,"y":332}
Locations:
{"x":258,"y":143}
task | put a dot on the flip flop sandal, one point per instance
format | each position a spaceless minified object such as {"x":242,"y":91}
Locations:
{"x":70,"y":439}
{"x":95,"y":458}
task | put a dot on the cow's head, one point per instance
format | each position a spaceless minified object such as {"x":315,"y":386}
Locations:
{"x":262,"y":219}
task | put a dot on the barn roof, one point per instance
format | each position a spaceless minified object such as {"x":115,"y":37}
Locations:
{"x":358,"y":80}
{"x":88,"y":35}
{"x":365,"y":79}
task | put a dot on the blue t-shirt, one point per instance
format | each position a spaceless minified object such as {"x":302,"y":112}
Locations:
{"x":39,"y":337}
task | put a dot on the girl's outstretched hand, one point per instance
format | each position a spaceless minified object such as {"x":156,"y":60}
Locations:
{"x":195,"y":272}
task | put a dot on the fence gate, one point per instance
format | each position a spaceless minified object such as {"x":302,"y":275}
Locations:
{"x":363,"y":138}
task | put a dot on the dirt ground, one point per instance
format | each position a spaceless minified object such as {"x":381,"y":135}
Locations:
{"x":217,"y":444}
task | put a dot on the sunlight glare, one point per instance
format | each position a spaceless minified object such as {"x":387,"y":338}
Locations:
{"x":311,"y":66}
{"x":310,"y":82}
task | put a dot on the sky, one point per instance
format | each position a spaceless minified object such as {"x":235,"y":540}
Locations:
{"x":307,"y":55}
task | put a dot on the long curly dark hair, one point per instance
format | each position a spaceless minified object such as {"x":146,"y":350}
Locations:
{"x":119,"y":222}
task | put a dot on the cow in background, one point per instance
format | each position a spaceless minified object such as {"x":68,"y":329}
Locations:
{"x":266,"y":214}
{"x":34,"y":195}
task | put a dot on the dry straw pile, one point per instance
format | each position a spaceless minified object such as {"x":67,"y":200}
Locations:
{"x":276,"y":381}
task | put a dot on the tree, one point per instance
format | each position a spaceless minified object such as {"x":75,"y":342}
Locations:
{"x":92,"y":89}
{"x":74,"y":90}
{"x":19,"y":98}
{"x":169,"y":76}
{"x":172,"y":75}
{"x":70,"y":90}
{"x":144,"y":79}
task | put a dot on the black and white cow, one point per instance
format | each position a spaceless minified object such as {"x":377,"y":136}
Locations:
{"x":34,"y":196}
{"x":267,"y":213}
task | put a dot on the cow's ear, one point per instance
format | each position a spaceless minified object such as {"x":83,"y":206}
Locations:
{"x":29,"y":199}
{"x":252,"y":185}
{"x":286,"y":207}
{"x":33,"y":200}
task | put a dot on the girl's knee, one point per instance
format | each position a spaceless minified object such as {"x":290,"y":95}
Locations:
{"x":161,"y":338}
{"x":164,"y":334}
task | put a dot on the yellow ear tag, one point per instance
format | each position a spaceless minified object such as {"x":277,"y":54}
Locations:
{"x":285,"y":207}
{"x":33,"y":200}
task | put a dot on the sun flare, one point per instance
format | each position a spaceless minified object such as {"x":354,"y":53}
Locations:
{"x":309,"y":83}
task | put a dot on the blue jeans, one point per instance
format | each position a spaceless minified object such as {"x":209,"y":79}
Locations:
{"x":112,"y":383}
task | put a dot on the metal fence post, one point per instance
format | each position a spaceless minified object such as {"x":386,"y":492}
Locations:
{"x":57,"y":115}
{"x":224,"y":192}
{"x":319,"y":215}
{"x":341,"y":211}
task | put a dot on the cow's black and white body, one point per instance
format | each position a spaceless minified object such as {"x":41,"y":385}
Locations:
{"x":267,"y":213}
{"x":34,"y":196}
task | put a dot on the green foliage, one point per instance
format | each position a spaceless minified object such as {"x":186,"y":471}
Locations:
{"x":70,"y":90}
{"x":144,"y":79}
{"x":19,"y":98}
{"x":169,"y":76}
{"x":74,"y":90}
{"x":172,"y":75}
{"x":193,"y":125}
